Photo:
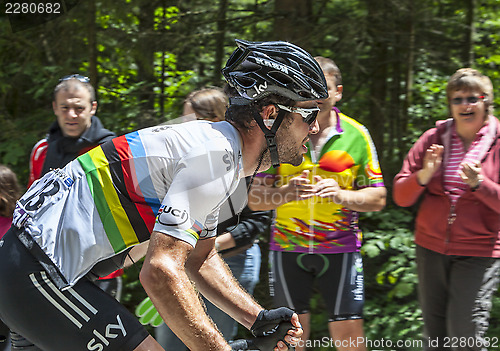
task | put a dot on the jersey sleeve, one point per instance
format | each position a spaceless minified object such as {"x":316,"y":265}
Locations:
{"x":370,"y":175}
{"x":202,"y":182}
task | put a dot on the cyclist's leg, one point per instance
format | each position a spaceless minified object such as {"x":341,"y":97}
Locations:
{"x":291,"y":286}
{"x":350,"y":334}
{"x":342,"y":287}
{"x":82,"y":316}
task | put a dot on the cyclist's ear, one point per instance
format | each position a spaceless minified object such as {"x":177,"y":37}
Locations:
{"x":268,"y":115}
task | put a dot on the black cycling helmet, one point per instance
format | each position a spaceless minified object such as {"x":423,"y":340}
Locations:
{"x":257,"y":69}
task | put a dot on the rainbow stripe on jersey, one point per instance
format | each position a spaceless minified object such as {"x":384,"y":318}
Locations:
{"x":124,"y":194}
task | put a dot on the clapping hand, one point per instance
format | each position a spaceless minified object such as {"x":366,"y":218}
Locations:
{"x":432,"y":161}
{"x":471,"y":174}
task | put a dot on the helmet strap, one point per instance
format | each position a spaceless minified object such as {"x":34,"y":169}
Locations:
{"x":270,"y":135}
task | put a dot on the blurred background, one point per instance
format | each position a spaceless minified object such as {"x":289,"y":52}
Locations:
{"x":145,"y":56}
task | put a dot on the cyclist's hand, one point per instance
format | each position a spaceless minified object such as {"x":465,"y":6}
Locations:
{"x":278,"y":340}
{"x":268,"y":321}
{"x":147,"y":313}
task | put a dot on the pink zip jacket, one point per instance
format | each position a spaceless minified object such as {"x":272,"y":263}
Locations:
{"x":472,"y":226}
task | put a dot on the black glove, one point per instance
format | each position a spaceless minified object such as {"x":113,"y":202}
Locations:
{"x":268,"y":321}
{"x":264,"y":343}
{"x":241,"y":345}
{"x":268,"y":343}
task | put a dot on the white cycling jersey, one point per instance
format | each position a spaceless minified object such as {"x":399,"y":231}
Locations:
{"x":170,"y":179}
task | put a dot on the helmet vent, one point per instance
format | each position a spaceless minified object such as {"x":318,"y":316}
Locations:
{"x":280,"y":77}
{"x":245,"y":82}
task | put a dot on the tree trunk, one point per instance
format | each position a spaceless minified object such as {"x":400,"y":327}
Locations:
{"x":144,"y":58}
{"x":219,"y":41}
{"x":410,"y":62}
{"x":468,"y":57}
{"x":94,"y":79}
{"x":378,"y":76}
{"x":293,"y":21}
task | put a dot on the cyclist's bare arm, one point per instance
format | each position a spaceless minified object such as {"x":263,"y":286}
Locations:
{"x":149,"y":344}
{"x":217,"y":283}
{"x":165,"y":280}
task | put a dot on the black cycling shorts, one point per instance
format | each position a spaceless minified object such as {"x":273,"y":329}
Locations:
{"x":338,"y":277}
{"x":82,"y":317}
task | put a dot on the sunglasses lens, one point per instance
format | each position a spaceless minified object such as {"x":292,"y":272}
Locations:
{"x":81,"y":78}
{"x":311,"y":117}
{"x":469,"y":100}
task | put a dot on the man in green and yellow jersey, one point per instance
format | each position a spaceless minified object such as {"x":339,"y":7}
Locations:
{"x":315,"y":238}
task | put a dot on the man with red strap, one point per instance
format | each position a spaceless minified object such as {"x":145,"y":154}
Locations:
{"x":76,"y":131}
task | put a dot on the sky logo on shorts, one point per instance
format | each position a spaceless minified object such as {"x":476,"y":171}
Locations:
{"x":170,"y":216}
{"x":112,"y":332}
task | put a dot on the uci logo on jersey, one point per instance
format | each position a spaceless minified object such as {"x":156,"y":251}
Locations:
{"x":168,"y":215}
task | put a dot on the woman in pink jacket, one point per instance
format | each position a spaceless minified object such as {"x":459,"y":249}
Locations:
{"x":454,"y":168}
{"x":10,"y":191}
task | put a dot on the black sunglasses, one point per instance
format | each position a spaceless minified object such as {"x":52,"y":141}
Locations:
{"x":308,"y":114}
{"x":469,"y":100}
{"x":81,"y":78}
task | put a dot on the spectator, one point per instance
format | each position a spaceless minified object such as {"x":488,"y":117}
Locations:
{"x":208,"y":103}
{"x":454,"y":167}
{"x":315,"y":235}
{"x":9,"y":193}
{"x":75,"y":131}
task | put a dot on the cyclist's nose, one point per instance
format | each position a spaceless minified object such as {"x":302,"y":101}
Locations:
{"x":314,"y":127}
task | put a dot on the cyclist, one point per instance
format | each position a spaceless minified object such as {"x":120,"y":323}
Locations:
{"x":156,"y":192}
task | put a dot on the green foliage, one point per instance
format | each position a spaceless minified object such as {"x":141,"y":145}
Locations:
{"x":391,"y":308}
{"x":395,"y":57}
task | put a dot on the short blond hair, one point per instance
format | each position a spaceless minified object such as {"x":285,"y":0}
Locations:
{"x":470,"y":79}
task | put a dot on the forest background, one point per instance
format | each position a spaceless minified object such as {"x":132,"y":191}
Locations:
{"x":145,"y":56}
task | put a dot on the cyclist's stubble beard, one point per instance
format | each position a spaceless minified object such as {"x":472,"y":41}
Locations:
{"x":289,"y":149}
